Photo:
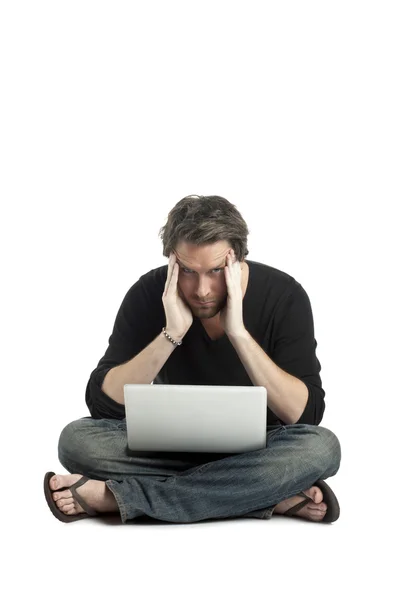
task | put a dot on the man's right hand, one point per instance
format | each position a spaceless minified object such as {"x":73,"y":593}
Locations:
{"x":178,"y":315}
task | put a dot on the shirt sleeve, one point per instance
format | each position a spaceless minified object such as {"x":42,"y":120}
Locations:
{"x":294,"y":349}
{"x":136,"y":325}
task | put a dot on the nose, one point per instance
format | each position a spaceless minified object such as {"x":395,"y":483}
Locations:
{"x":203,"y":289}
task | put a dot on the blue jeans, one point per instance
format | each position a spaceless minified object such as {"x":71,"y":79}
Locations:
{"x":185,"y":487}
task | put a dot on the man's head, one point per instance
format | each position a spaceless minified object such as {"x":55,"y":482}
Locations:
{"x":200,"y":231}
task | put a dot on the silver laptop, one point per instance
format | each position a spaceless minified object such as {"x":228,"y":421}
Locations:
{"x":195,"y":418}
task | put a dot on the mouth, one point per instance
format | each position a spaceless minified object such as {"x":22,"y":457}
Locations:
{"x":204,"y":303}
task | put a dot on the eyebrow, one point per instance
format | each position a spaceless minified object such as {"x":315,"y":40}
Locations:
{"x":185,"y":267}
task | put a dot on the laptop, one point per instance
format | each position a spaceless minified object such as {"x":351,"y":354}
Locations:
{"x":195,"y":418}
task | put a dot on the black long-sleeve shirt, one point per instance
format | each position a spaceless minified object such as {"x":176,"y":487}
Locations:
{"x":276,"y":312}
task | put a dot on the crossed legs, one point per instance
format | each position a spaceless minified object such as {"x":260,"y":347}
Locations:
{"x":189,"y":487}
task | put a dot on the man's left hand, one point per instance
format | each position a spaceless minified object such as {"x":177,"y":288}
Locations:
{"x":231,"y":316}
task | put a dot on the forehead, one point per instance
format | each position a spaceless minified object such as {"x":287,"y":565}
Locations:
{"x":201,"y":257}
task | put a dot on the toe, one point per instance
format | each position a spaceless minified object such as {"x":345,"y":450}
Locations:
{"x":315,"y":494}
{"x":65,"y":506}
{"x":58,"y":481}
{"x":70,"y":510}
{"x":53,"y":483}
{"x":317,"y":511}
{"x":321,"y":506}
{"x":63,"y":502}
{"x":63,"y":494}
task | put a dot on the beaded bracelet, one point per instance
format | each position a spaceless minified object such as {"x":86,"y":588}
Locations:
{"x":170,"y":338}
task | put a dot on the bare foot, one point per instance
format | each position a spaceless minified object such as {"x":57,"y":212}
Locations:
{"x":94,"y":492}
{"x":315,"y":510}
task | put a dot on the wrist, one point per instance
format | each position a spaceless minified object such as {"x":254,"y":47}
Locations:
{"x":241,"y":333}
{"x":170,"y":333}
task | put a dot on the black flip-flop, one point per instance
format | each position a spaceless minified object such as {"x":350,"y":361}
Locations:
{"x":333,"y":511}
{"x":48,"y":492}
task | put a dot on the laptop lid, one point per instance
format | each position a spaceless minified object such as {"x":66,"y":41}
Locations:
{"x":195,"y":418}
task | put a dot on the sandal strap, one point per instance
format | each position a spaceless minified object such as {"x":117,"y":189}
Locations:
{"x":298,"y":506}
{"x":90,"y":511}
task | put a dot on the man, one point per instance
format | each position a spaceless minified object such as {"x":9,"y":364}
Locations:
{"x":209,"y":318}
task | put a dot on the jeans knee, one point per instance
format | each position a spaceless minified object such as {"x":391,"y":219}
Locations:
{"x":323,"y":449}
{"x":70,"y":442}
{"x":329,"y":451}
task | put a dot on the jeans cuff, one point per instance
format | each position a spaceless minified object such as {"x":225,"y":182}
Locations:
{"x":112,"y":487}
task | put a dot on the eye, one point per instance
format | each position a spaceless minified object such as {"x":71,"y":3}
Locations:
{"x":188,"y":271}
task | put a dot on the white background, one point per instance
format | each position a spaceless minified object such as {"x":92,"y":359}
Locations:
{"x":111,"y":112}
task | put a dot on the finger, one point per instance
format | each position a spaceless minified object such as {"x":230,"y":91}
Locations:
{"x":173,"y":280}
{"x":170,"y":273}
{"x":171,"y":263}
{"x":227,"y":277}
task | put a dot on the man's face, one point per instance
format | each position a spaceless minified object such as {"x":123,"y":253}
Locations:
{"x":202,"y":278}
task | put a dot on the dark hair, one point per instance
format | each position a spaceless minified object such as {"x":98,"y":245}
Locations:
{"x":204,"y":220}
